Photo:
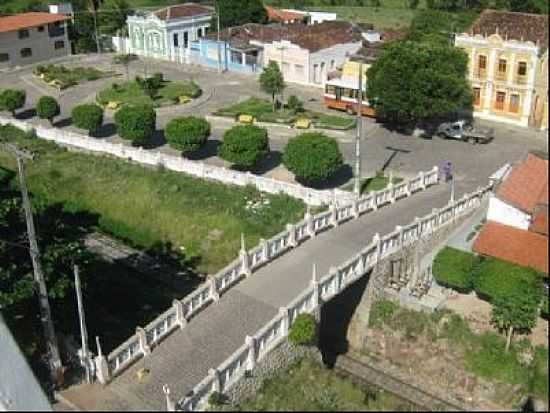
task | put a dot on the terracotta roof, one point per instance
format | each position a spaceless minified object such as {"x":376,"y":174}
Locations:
{"x":540,"y":221}
{"x":313,"y":38}
{"x":527,"y":185}
{"x":279,"y":15}
{"x":183,"y":10}
{"x":26,"y":20}
{"x":510,"y":25}
{"x":508,"y":243}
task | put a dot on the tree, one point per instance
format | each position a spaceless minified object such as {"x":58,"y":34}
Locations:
{"x":516,"y":310}
{"x":294,"y":104}
{"x":12,"y":100}
{"x":271,"y":81}
{"x":312,"y":157}
{"x":237,"y":12}
{"x":125,"y":60}
{"x":88,"y":116}
{"x":136,"y":123}
{"x":244,"y":145}
{"x":112,"y":16}
{"x":411,"y":82}
{"x":47,"y":108}
{"x":303,"y":331}
{"x":187,"y":134}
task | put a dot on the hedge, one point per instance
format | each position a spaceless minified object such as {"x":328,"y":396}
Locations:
{"x":88,"y":117}
{"x":187,"y":134}
{"x":47,"y":108}
{"x":136,"y":123}
{"x":454,"y":269}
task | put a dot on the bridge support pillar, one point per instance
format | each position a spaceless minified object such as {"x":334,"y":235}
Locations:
{"x":142,"y":337}
{"x":180,"y":313}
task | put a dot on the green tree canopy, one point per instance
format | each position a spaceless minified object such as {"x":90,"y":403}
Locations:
{"x":12,"y":100}
{"x":312,"y":157}
{"x":187,"y":134}
{"x":112,"y":16}
{"x":88,"y":116}
{"x":136,"y":123}
{"x":47,"y":108}
{"x":411,"y":82}
{"x":272,"y":81}
{"x":237,"y":12}
{"x":244,"y":145}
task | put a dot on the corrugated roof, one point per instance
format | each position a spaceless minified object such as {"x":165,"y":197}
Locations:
{"x":26,"y":20}
{"x":521,"y":247}
{"x":183,"y":10}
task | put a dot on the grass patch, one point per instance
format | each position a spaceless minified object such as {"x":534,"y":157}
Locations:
{"x":454,"y":268}
{"x":146,"y":206}
{"x":307,"y":386}
{"x":131,"y":92}
{"x":375,"y":183}
{"x":65,"y":77}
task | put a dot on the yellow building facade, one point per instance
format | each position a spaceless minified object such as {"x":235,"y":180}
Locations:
{"x":509,"y":76}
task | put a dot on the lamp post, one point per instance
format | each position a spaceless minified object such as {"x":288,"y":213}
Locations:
{"x":359,"y":127}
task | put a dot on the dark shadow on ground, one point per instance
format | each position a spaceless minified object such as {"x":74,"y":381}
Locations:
{"x":107,"y":130}
{"x":63,"y":123}
{"x":344,"y":175}
{"x":208,"y":150}
{"x":336,"y":316}
{"x":272,"y":161}
{"x":26,"y":114}
{"x":156,"y":141}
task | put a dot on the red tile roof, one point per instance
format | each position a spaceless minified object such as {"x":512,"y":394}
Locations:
{"x":278,"y":15}
{"x":508,"y":243}
{"x":183,"y":10}
{"x":540,"y":221}
{"x":27,"y":20}
{"x":527,"y":185}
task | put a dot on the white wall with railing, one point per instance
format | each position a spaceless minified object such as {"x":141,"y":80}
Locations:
{"x":256,"y":347}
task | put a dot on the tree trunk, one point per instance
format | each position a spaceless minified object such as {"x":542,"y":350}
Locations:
{"x":509,"y":338}
{"x":127,"y":73}
{"x":273,"y":100}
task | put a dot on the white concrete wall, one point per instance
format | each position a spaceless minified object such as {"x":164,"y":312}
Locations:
{"x":292,"y":60}
{"x":328,"y":59}
{"x":501,"y":212}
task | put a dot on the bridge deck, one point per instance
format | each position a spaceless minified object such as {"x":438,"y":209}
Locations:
{"x":185,"y":357}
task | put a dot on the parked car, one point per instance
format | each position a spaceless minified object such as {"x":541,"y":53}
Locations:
{"x":464,"y":131}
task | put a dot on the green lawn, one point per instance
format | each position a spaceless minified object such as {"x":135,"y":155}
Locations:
{"x":146,"y":206}
{"x":262,"y":110}
{"x":309,"y":387}
{"x":66,"y":77}
{"x":130,"y":92}
{"x":375,"y":183}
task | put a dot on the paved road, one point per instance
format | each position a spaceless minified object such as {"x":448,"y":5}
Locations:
{"x":185,"y":357}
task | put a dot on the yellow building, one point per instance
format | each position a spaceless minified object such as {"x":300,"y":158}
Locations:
{"x":508,"y":67}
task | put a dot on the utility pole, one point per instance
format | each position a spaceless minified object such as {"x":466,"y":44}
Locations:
{"x":54,"y":359}
{"x":358,"y":132}
{"x":218,"y":38}
{"x":94,"y":14}
{"x":83,"y":331}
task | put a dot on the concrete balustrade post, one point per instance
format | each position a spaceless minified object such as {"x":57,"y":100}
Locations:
{"x":283,"y":311}
{"x":142,"y":337}
{"x":216,"y":381}
{"x":436,"y":173}
{"x":378,"y":242}
{"x":291,"y":235}
{"x":333,"y":271}
{"x":170,"y":405}
{"x":214,"y":288}
{"x":180,"y":313}
{"x":391,"y":188}
{"x":245,"y":260}
{"x":418,"y":223}
{"x":422,"y":180}
{"x":408,"y":188}
{"x":309,"y":222}
{"x":265,"y":250}
{"x":355,"y":208}
{"x":374,"y":200}
{"x":333,"y":215}
{"x":251,"y":343}
{"x":316,"y":294}
{"x":399,"y":229}
{"x":102,"y":371}
{"x":159,"y":158}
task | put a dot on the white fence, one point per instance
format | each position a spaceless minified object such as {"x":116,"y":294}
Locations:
{"x":179,"y":164}
{"x":273,"y":333}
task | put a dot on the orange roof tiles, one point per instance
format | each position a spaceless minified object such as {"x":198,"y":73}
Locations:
{"x":540,"y":221}
{"x":183,"y":10}
{"x":527,"y":185}
{"x":522,"y":247}
{"x":26,"y":20}
{"x":277,"y":15}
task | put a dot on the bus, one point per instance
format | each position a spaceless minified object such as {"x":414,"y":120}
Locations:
{"x":341,"y":94}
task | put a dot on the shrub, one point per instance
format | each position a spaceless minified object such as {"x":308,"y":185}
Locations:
{"x":47,"y":108}
{"x":382,"y":312}
{"x":454,"y":268}
{"x":312,"y":157}
{"x":216,"y":399}
{"x":294,"y":104}
{"x":244,"y":145}
{"x":497,"y":278}
{"x":304,"y":330}
{"x":12,"y":99}
{"x":187,"y":134}
{"x":544,"y":306}
{"x":88,"y":117}
{"x":136,"y":123}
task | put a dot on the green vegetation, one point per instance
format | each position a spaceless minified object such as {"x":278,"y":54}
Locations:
{"x":146,"y":206}
{"x":47,"y":108}
{"x":64,"y":77}
{"x":12,"y":99}
{"x":168,"y":93}
{"x":244,"y":11}
{"x":544,"y":306}
{"x":312,"y":157}
{"x":187,"y":134}
{"x":136,"y":123}
{"x":244,"y":145}
{"x":454,"y":269}
{"x":272,"y":82}
{"x":307,"y":386}
{"x":303,"y":331}
{"x":262,"y":111}
{"x":437,"y":26}
{"x":483,"y":354}
{"x":378,"y":182}
{"x":87,"y":116}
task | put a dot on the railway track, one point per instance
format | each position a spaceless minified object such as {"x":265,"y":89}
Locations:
{"x":372,"y":376}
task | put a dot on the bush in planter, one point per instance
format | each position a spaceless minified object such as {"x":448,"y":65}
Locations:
{"x":455,"y":269}
{"x":244,"y":145}
{"x":303,"y":331}
{"x":88,"y":117}
{"x":12,"y":99}
{"x":313,"y":157}
{"x":136,"y":123}
{"x":47,"y":108}
{"x":294,"y":104}
{"x":187,"y":134}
